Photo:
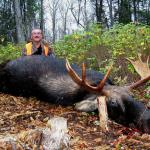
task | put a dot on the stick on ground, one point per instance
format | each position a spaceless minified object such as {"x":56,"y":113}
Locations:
{"x":103,"y":114}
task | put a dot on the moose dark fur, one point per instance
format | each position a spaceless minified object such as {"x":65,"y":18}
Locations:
{"x":48,"y":79}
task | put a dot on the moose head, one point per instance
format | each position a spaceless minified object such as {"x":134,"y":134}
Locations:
{"x":121,"y":105}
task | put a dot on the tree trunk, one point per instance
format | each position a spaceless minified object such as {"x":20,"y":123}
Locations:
{"x":54,"y":26}
{"x":77,"y":14}
{"x":42,"y":17}
{"x":148,"y":13}
{"x":99,"y":10}
{"x":110,"y":5}
{"x":19,"y":24}
{"x":85,"y":15}
{"x":124,"y":12}
{"x":134,"y":10}
{"x":65,"y":23}
{"x":54,"y":5}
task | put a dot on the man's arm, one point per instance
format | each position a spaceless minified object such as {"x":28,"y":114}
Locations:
{"x":24,"y":52}
{"x":51,"y":52}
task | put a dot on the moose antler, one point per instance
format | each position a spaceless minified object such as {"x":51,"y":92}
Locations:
{"x":83,"y":82}
{"x":139,"y":83}
{"x":103,"y":114}
{"x":142,"y":68}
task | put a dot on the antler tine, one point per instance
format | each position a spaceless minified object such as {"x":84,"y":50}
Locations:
{"x":77,"y":79}
{"x":139,"y":83}
{"x":131,"y":61}
{"x":83,"y":82}
{"x":102,"y":83}
{"x":72,"y":73}
{"x":139,"y":56}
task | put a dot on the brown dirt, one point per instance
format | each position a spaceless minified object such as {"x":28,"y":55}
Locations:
{"x":19,"y":114}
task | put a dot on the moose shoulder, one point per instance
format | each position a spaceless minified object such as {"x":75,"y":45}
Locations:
{"x":48,"y":79}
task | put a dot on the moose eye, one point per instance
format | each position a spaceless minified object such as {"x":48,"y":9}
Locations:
{"x":113,"y":102}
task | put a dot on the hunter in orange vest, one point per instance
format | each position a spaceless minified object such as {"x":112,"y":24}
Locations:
{"x":37,"y":46}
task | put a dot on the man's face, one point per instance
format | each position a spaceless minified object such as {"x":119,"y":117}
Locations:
{"x":36,"y":35}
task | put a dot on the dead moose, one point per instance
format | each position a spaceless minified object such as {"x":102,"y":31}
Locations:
{"x":49,"y":79}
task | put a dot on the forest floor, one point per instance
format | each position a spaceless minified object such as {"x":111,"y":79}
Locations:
{"x":19,"y":114}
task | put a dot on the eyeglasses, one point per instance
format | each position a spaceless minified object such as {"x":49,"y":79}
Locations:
{"x":36,"y":33}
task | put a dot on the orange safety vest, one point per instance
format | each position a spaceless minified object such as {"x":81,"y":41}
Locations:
{"x":29,"y":49}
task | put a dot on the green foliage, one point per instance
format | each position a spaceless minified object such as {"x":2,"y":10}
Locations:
{"x":74,"y":46}
{"x":125,"y":40}
{"x":99,"y":46}
{"x":128,"y":39}
{"x":147,"y":94}
{"x":10,"y":51}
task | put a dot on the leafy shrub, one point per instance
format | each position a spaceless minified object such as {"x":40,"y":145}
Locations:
{"x":124,"y":40}
{"x":147,"y":91}
{"x":75,"y":45}
{"x":100,"y":47}
{"x":10,"y":51}
{"x":128,"y":39}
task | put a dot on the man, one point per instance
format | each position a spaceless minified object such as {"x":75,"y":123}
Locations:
{"x":37,"y":46}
